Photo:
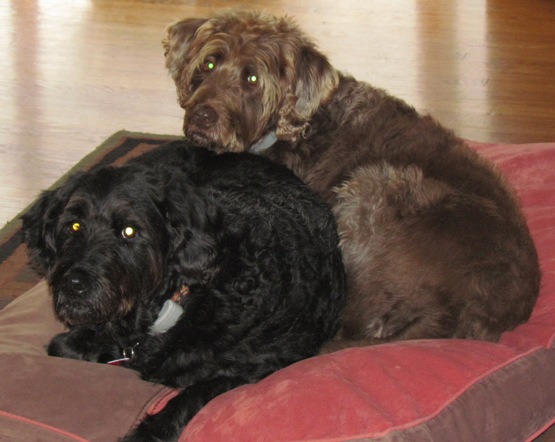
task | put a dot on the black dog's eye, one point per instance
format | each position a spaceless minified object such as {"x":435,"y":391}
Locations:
{"x":129,"y":232}
{"x":75,"y":227}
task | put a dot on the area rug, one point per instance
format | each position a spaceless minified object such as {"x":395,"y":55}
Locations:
{"x":16,"y":276}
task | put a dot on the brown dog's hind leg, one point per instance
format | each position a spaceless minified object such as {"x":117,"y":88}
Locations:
{"x":423,"y":261}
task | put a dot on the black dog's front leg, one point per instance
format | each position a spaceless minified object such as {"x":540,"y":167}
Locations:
{"x":167,"y":425}
{"x":82,"y":343}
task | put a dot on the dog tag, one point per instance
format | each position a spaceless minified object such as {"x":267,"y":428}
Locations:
{"x":168,"y":316}
{"x":128,"y":354}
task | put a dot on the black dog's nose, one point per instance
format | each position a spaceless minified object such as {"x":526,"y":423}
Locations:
{"x":77,"y":281}
{"x":204,"y":117}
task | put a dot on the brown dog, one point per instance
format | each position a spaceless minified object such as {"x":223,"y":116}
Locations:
{"x":434,"y":242}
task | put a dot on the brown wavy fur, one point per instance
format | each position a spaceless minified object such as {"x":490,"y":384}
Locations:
{"x":434,"y":242}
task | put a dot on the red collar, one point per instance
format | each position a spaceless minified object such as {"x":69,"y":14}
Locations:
{"x":180,"y":295}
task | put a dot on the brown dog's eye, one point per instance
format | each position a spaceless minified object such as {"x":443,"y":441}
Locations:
{"x":252,"y":79}
{"x":129,"y":232}
{"x":208,"y":66}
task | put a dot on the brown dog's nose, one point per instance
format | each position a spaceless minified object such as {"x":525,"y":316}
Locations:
{"x":204,"y":117}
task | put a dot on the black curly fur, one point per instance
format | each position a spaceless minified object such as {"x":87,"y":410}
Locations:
{"x":257,"y":249}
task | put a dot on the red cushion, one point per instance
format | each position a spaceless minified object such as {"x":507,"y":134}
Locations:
{"x":419,"y":390}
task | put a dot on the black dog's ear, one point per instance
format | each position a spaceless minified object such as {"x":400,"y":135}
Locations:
{"x":39,"y":225}
{"x":179,"y":36}
{"x":194,"y":223}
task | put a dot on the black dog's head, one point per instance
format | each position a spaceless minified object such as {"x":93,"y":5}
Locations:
{"x":114,"y":238}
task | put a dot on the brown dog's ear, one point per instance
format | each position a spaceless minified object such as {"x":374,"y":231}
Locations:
{"x":316,"y":81}
{"x":312,"y":83}
{"x":179,"y":36}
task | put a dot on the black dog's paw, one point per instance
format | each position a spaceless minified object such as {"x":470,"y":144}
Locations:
{"x":57,"y":346}
{"x":152,"y":362}
{"x":80,"y":343}
{"x":73,"y":345}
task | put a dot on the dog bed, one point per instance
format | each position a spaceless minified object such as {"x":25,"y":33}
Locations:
{"x":456,"y":390}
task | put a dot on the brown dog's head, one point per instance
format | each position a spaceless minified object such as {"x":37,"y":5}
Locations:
{"x":242,"y":74}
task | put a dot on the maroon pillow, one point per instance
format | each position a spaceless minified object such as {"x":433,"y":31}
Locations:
{"x":53,"y":399}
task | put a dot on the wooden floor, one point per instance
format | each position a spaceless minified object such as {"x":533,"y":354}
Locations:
{"x":74,"y":72}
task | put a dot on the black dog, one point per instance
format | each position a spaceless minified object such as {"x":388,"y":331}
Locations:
{"x":248,"y":254}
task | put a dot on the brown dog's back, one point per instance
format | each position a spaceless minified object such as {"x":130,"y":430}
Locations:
{"x":433,"y":239}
